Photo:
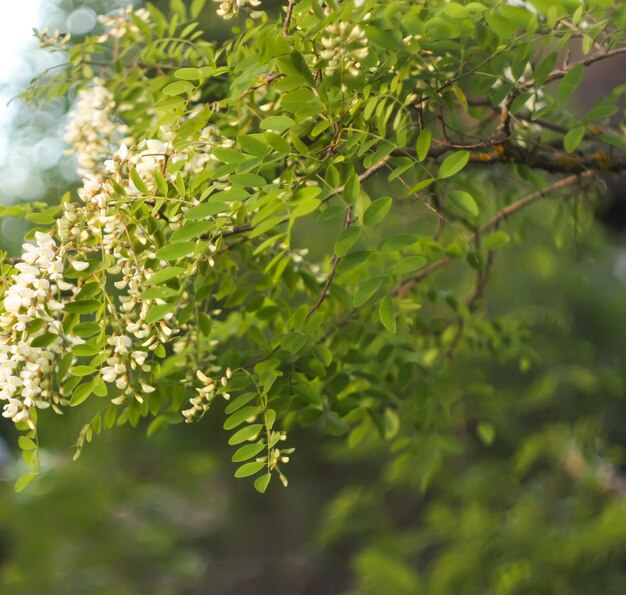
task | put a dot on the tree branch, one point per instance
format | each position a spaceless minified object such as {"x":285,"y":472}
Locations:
{"x":523,"y":202}
{"x":288,"y":16}
{"x":552,"y":162}
{"x":559,"y":73}
{"x":404,"y":288}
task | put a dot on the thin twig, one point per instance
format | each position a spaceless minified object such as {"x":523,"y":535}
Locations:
{"x":334,"y":261}
{"x":288,"y":16}
{"x":404,"y":288}
{"x":561,"y":72}
{"x":523,"y":202}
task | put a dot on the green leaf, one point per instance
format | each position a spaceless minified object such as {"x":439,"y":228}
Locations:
{"x":250,"y":469}
{"x":278,"y":143}
{"x":570,"y":82}
{"x":240,"y":416}
{"x":81,"y":393}
{"x":352,"y":189}
{"x":82,"y":306}
{"x":266,"y":225}
{"x":308,"y":393}
{"x":23,"y":480}
{"x":177,"y":88}
{"x":228,"y":155}
{"x":261,"y":483}
{"x":247,"y":452}
{"x":453,"y":164}
{"x":495,"y":240}
{"x":383,"y":149}
{"x":158,"y":312}
{"x":391,"y":423}
{"x":138,"y":182}
{"x":196,"y":8}
{"x":239,"y":402}
{"x":165,"y":275}
{"x":612,"y":139}
{"x":253,"y":145}
{"x":346,"y":240}
{"x":230,"y":195}
{"x":367,"y":290}
{"x":81,"y":371}
{"x":26,"y":443}
{"x":600,"y":112}
{"x":486,"y":433}
{"x":206,"y":209}
{"x":247,"y":433}
{"x":179,"y":184}
{"x":377,"y":211}
{"x":412,"y":263}
{"x":160,"y":181}
{"x":44,"y":339}
{"x":423,"y":144}
{"x":188,"y":74}
{"x":305,"y":207}
{"x":464,"y":202}
{"x":352,"y":260}
{"x":175,"y":250}
{"x":544,"y":68}
{"x":573,"y":138}
{"x":421,"y":185}
{"x":387,"y":314}
{"x":191,"y":230}
{"x":277,"y":123}
{"x":248,"y":179}
{"x":501,"y":26}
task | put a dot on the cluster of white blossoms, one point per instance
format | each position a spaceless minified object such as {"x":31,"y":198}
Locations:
{"x":345,"y":45}
{"x":230,"y":8}
{"x":121,"y":23}
{"x":55,"y":39}
{"x":87,"y":289}
{"x":96,"y":229}
{"x":206,"y":393}
{"x":92,"y":129}
{"x":31,"y":333}
{"x":104,"y":219}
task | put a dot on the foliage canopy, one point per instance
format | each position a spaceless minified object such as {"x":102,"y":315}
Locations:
{"x":303,"y":219}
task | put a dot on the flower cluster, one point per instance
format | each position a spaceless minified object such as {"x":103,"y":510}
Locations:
{"x":92,"y":129}
{"x":345,"y":45}
{"x":55,"y":39}
{"x":118,"y":323}
{"x":31,"y":334}
{"x":121,"y":22}
{"x":103,"y":219}
{"x":230,"y":8}
{"x":206,"y":393}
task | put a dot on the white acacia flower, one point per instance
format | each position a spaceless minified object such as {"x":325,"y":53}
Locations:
{"x":120,"y":343}
{"x":79,"y":265}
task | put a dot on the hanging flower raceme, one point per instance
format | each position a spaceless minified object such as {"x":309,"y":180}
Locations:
{"x":31,"y":334}
{"x":122,"y":22}
{"x":230,"y":8}
{"x":92,"y":129}
{"x":345,"y":45}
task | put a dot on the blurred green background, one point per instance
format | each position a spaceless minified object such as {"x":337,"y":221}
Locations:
{"x":529,"y":502}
